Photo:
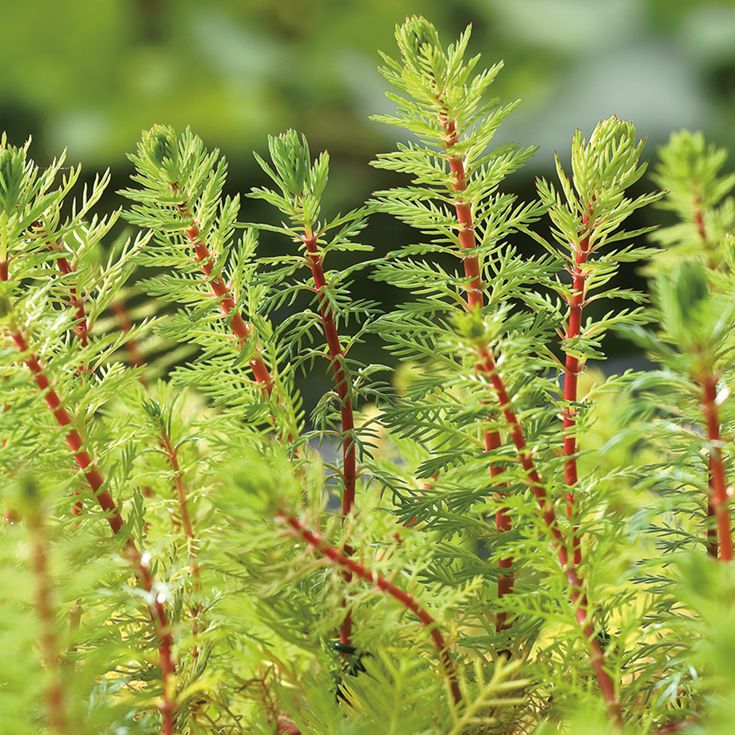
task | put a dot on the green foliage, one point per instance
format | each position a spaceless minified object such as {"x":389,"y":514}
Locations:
{"x":190,"y":495}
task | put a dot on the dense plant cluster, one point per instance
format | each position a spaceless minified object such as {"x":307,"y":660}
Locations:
{"x":493,"y":537}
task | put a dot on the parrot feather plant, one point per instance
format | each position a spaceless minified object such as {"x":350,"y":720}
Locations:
{"x":475,"y":530}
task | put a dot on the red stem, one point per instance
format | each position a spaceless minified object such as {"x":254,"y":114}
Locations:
{"x":105,"y":501}
{"x":81,"y":327}
{"x":221,"y":290}
{"x":123,"y":318}
{"x":571,"y":373}
{"x":711,"y":532}
{"x":405,"y":598}
{"x":341,"y":379}
{"x":172,"y":455}
{"x":342,"y":383}
{"x":718,"y":482}
{"x":576,"y":585}
{"x":476,"y":299}
{"x":56,"y":704}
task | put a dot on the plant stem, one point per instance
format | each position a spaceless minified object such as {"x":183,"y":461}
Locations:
{"x":81,"y":328}
{"x":718,"y":482}
{"x":105,"y":501}
{"x":341,"y":378}
{"x":56,"y":698}
{"x":463,"y":210}
{"x":186,"y":524}
{"x":123,"y":319}
{"x":344,"y":391}
{"x":405,"y":598}
{"x":221,"y":290}
{"x":476,"y":299}
{"x":711,"y":532}
{"x":571,"y":374}
{"x":578,"y":597}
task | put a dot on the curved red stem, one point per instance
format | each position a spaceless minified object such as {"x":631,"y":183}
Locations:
{"x":104,"y":499}
{"x":404,"y":598}
{"x":343,"y":387}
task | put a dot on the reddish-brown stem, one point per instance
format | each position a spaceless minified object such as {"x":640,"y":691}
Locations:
{"x":371,"y":577}
{"x":463,"y":210}
{"x":476,"y":299}
{"x":241,"y":329}
{"x":138,"y":562}
{"x":577,"y":595}
{"x":571,"y":374}
{"x":718,"y":481}
{"x":186,"y":524}
{"x":711,"y":532}
{"x":56,"y":699}
{"x":341,"y":379}
{"x":81,"y":328}
{"x":73,"y":438}
{"x":123,"y":319}
{"x":342,"y":384}
{"x":502,"y":525}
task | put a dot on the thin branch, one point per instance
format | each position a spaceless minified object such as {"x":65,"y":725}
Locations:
{"x":56,"y":696}
{"x":139,"y":562}
{"x":221,"y":290}
{"x":570,"y":376}
{"x":405,"y":598}
{"x":577,"y":595}
{"x":186,"y":524}
{"x":475,"y":295}
{"x":711,"y":532}
{"x":344,"y":392}
{"x":123,"y":319}
{"x":718,"y":482}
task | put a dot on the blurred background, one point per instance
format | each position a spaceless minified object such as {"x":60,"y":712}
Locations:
{"x":89,"y":75}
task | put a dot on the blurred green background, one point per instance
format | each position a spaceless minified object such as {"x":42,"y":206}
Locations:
{"x":90,"y":74}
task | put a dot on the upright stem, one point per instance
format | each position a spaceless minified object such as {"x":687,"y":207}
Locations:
{"x":344,"y":392}
{"x":476,"y":299}
{"x":577,"y":595}
{"x":138,"y":561}
{"x":371,"y":577}
{"x":341,"y":378}
{"x":571,"y":373}
{"x":81,"y":328}
{"x":221,"y":290}
{"x":56,"y":698}
{"x":186,"y":525}
{"x":718,"y":482}
{"x":123,"y":319}
{"x":711,"y":532}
